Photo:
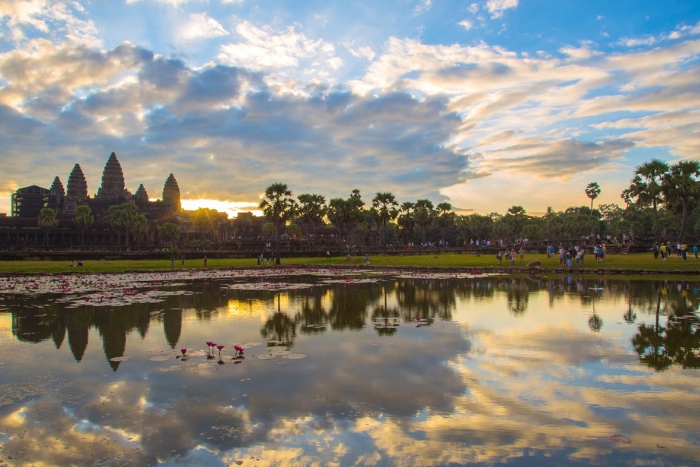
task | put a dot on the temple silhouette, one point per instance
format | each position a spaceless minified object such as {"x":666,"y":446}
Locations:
{"x":27,"y":202}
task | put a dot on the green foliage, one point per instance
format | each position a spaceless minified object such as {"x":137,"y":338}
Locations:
{"x":47,"y":221}
{"x":532,"y":232}
{"x":592,"y":191}
{"x":168,"y":233}
{"x":269,"y":229}
{"x":293,"y":229}
{"x":173,"y":252}
{"x":83,"y":217}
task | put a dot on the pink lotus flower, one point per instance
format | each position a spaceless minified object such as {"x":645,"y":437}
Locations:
{"x":219,"y":347}
{"x":239,"y":349}
{"x":184,"y":351}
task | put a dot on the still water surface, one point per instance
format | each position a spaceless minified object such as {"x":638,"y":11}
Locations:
{"x":406,"y":372}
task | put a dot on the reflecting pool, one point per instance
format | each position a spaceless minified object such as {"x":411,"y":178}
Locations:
{"x":365,"y":370}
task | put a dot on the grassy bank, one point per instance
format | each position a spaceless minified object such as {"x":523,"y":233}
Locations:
{"x":632,"y":261}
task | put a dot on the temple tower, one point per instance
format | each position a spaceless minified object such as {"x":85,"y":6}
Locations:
{"x":77,"y":186}
{"x":77,"y":192}
{"x":57,"y":195}
{"x":141,"y":196}
{"x":113,"y":186}
{"x":171,"y":193}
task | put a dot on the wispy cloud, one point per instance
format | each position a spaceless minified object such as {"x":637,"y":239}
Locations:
{"x":265,"y":48}
{"x":200,"y":26}
{"x":498,"y":7}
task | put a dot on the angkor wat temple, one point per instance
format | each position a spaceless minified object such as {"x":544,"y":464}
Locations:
{"x":27,"y":202}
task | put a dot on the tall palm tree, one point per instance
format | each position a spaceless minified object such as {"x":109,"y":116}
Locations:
{"x":276,"y":206}
{"x":312,"y":209}
{"x":646,"y":187}
{"x":423,"y":214}
{"x":83,"y":219}
{"x":384,"y":209}
{"x":406,"y":220}
{"x":47,"y":222}
{"x":445,"y":216}
{"x":592,"y":191}
{"x":680,"y":189}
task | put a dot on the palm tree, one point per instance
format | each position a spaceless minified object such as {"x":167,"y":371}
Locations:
{"x":47,"y":222}
{"x":384,"y":209}
{"x":312,"y":209}
{"x":168,"y":233}
{"x":406,"y":220}
{"x":122,"y":216}
{"x":423,"y":214}
{"x":276,"y":206}
{"x":83,"y":219}
{"x":592,"y":191}
{"x":445,"y":216}
{"x":140,"y":227}
{"x":680,"y":189}
{"x":646,"y":187}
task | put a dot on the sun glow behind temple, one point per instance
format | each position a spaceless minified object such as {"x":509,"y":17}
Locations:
{"x":231,"y":208}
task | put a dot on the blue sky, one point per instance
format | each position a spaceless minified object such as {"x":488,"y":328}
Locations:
{"x":485,"y":104}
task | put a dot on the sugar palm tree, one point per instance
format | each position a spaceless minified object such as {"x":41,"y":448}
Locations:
{"x":646,"y":187}
{"x":681,"y":190}
{"x":83,"y":219}
{"x":423,"y":213}
{"x":276,"y":205}
{"x":47,"y":222}
{"x":384,"y":210}
{"x":592,"y":191}
{"x":312,"y":209}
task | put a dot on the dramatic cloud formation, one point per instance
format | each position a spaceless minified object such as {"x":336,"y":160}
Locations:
{"x":231,"y":101}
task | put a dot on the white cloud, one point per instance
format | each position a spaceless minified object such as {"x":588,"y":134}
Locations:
{"x":466,"y":24}
{"x":473,"y":8}
{"x":201,"y":26}
{"x":56,"y":21}
{"x":264,"y":48}
{"x":422,"y":7}
{"x":174,"y":3}
{"x":235,"y":2}
{"x":365,"y":52}
{"x":635,"y":42}
{"x":497,"y":7}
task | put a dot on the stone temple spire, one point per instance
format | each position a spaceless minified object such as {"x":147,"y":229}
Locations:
{"x":113,"y":186}
{"x":77,"y":185}
{"x":141,"y":196}
{"x":57,"y":196}
{"x":57,"y":187}
{"x":171,"y":193}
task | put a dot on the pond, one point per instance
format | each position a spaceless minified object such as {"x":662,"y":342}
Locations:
{"x":348,"y":369}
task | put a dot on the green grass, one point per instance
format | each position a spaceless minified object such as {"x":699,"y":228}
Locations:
{"x":633,"y":261}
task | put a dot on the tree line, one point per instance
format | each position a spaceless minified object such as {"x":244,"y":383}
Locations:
{"x":661,"y":202}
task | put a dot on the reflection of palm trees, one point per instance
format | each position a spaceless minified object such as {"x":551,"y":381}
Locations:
{"x":595,"y":322}
{"x":279,"y":329}
{"x":517,"y":300}
{"x":683,"y":334}
{"x":313,"y":316}
{"x":386,"y":321}
{"x":649,"y":343}
{"x":426,"y":299}
{"x":349,"y":304}
{"x":630,"y":315}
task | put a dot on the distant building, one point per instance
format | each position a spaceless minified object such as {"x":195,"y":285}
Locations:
{"x":27,"y":202}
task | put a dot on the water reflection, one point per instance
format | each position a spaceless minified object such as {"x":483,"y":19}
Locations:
{"x":397,"y":372}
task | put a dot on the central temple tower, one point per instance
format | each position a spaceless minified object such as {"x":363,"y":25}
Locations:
{"x":113,"y":187}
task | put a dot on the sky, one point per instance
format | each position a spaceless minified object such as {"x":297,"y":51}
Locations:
{"x":484,"y":104}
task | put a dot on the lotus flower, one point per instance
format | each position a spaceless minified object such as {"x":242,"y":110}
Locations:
{"x":184,"y":351}
{"x":239,"y":349}
{"x":219,"y":347}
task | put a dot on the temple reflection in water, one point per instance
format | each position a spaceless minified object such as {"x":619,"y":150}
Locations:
{"x":672,"y":338}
